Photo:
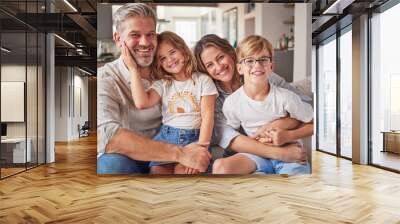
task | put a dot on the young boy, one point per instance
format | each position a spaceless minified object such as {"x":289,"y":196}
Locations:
{"x":257,"y":103}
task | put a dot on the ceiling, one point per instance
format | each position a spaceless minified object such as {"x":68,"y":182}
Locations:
{"x":76,"y":23}
{"x":72,"y":20}
{"x":330,"y":15}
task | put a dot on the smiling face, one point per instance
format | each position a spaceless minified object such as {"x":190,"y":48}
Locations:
{"x":140,"y":36}
{"x":258,"y":72}
{"x":170,"y":58}
{"x":219,"y":65}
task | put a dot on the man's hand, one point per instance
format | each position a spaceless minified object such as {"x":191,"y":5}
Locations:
{"x":294,"y":153}
{"x":195,"y":156}
{"x":128,"y":58}
{"x":189,"y":170}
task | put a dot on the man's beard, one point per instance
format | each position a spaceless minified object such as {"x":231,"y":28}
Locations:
{"x":144,"y":61}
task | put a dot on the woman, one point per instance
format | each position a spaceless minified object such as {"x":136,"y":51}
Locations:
{"x":217,"y":58}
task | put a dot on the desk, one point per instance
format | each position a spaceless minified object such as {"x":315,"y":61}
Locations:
{"x":13,"y":150}
{"x":391,"y":141}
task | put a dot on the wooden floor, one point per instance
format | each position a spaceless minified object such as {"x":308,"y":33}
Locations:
{"x":69,"y":191}
{"x":387,"y":159}
{"x":10,"y":171}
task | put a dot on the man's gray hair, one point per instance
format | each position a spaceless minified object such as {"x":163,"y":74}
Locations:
{"x":132,"y":10}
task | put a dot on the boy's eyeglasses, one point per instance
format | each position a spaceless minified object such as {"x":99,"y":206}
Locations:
{"x":251,"y":62}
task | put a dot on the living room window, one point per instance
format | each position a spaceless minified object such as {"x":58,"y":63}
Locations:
{"x":385,"y":89}
{"x":327,"y":96}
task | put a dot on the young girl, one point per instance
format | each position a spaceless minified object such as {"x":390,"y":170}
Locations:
{"x":187,"y":99}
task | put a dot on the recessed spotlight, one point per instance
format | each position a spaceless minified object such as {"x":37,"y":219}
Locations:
{"x":84,"y":71}
{"x":70,"y":5}
{"x":64,"y":40}
{"x":337,"y":7}
{"x":5,"y":49}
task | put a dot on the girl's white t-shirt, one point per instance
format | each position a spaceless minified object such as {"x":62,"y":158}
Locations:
{"x":180,"y":101}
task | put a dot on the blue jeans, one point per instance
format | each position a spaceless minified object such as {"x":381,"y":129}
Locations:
{"x":272,"y":166}
{"x":176,"y":136}
{"x":113,"y":163}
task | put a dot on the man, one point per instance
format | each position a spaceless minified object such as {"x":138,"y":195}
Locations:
{"x":124,"y":132}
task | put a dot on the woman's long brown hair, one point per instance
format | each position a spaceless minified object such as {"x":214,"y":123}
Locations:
{"x":212,"y":40}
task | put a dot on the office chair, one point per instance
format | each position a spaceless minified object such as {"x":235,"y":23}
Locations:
{"x":84,"y":130}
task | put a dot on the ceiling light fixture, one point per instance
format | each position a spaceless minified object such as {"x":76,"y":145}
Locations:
{"x":64,"y":40}
{"x":5,"y":49}
{"x":84,"y":71}
{"x":337,"y":7}
{"x":70,"y":5}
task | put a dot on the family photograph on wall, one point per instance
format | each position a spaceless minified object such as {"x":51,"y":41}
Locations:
{"x":203,"y":90}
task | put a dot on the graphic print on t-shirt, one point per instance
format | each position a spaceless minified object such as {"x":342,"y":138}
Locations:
{"x":183,"y":102}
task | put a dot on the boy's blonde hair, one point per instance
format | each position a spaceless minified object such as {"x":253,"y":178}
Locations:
{"x":251,"y":45}
{"x":178,"y":43}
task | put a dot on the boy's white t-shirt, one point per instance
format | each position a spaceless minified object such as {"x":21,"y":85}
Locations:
{"x":240,"y":110}
{"x":181,"y":100}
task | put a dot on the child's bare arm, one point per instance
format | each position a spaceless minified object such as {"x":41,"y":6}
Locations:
{"x":292,"y":152}
{"x":207,"y":119}
{"x":297,"y":109}
{"x":286,"y":123}
{"x":305,"y":130}
{"x":207,"y":104}
{"x":141,"y":98}
{"x":278,"y":137}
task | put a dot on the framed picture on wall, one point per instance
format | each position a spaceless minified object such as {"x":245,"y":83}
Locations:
{"x":229,"y":20}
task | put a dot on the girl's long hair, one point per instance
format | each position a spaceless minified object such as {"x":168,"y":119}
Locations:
{"x":177,"y":42}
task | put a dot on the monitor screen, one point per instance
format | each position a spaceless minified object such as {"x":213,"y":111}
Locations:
{"x":3,"y":129}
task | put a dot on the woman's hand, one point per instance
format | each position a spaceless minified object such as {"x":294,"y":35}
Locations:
{"x":128,"y":58}
{"x":278,"y":136}
{"x":272,"y":136}
{"x":261,"y":133}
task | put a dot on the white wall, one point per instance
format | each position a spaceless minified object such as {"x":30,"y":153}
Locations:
{"x":15,"y":72}
{"x":270,"y":20}
{"x":67,"y":116}
{"x":314,"y":91}
{"x":50,"y":93}
{"x":80,"y":83}
{"x":104,"y":22}
{"x":33,"y":126}
{"x":302,"y":42}
{"x":61,"y":103}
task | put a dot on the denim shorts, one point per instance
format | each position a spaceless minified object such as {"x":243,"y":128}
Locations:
{"x":271,"y":166}
{"x":176,"y":136}
{"x":114,"y":163}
